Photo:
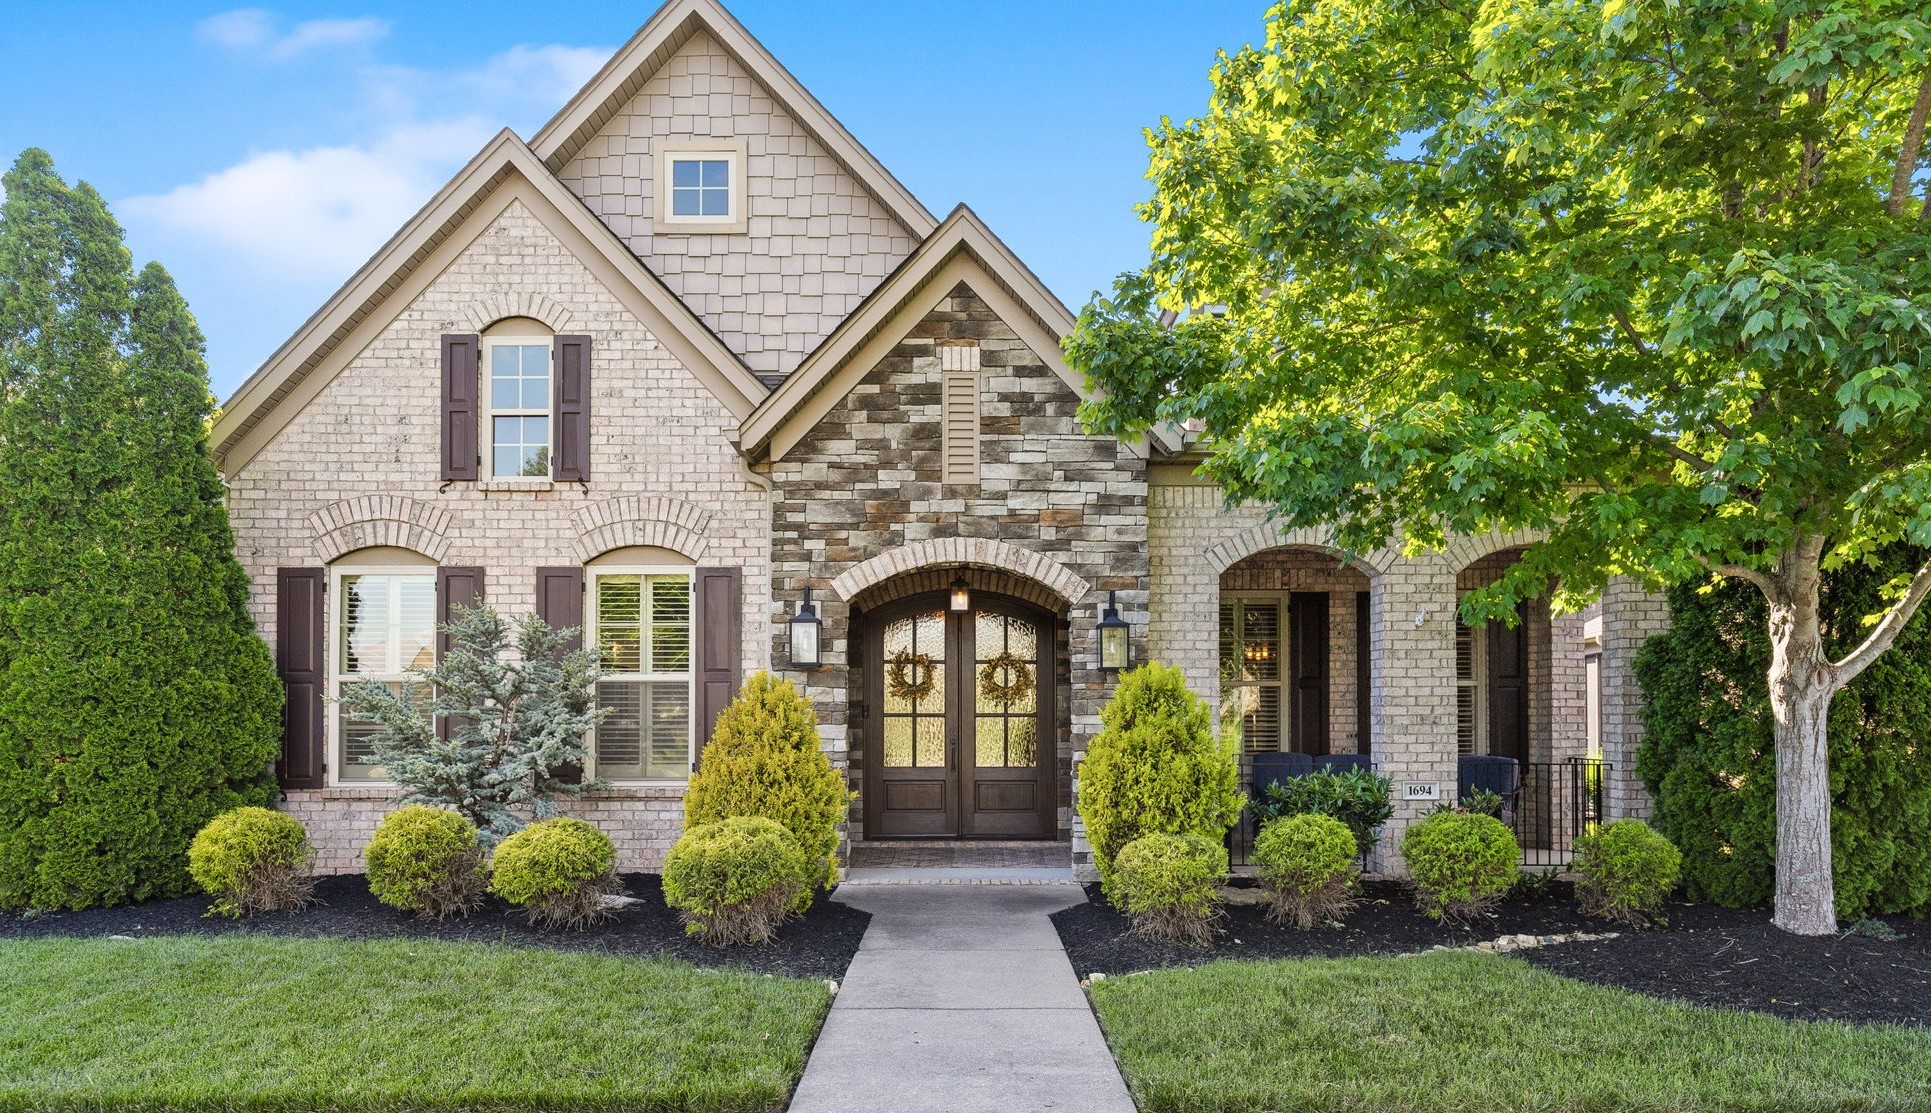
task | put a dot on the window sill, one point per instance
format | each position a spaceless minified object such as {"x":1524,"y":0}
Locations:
{"x":506,"y":485}
{"x":362,"y":790}
{"x":659,"y":790}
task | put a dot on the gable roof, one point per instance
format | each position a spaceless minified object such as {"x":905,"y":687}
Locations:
{"x":961,"y":249}
{"x":414,"y":255}
{"x":658,"y":41}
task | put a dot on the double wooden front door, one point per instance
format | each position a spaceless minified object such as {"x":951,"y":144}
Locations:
{"x":959,"y":720}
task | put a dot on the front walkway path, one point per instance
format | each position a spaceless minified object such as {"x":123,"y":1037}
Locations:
{"x":961,"y":1000}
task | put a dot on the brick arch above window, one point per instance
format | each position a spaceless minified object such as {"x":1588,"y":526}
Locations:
{"x":480,"y":315}
{"x":641,"y":520}
{"x":950,"y":553}
{"x":394,"y":521}
{"x":1464,"y":551}
{"x":1270,"y":535}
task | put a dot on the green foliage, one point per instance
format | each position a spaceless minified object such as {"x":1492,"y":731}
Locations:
{"x":136,"y":700}
{"x":1461,"y":864}
{"x":1625,"y":871}
{"x":1482,"y":801}
{"x":1306,"y":864}
{"x":764,"y":759}
{"x":1708,"y":755}
{"x":426,"y":860}
{"x":252,"y":860}
{"x":521,"y":705}
{"x":1155,"y":768}
{"x":1360,"y":798}
{"x":1170,"y":885}
{"x":560,"y":870}
{"x":735,"y":881}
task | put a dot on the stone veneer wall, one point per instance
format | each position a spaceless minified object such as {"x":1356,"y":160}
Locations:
{"x":360,"y":466}
{"x":817,"y":241}
{"x":865,"y":484}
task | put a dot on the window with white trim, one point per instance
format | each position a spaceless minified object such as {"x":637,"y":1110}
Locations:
{"x":1471,"y":700}
{"x":1251,"y":649}
{"x":640,"y":622}
{"x":517,"y":425}
{"x":700,"y":186}
{"x":385,"y":624}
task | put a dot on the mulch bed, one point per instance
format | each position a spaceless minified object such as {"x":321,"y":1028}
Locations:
{"x":818,"y":945}
{"x":1722,"y":957}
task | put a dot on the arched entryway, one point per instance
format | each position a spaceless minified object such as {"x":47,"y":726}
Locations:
{"x":958,"y":717}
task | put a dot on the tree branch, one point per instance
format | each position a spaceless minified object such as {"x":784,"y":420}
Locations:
{"x":1888,"y":628}
{"x":1629,"y":330}
{"x":1907,"y":159}
{"x":1739,"y":572}
{"x":1677,"y":452}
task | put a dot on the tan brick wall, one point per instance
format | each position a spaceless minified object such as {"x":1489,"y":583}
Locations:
{"x":817,"y":242}
{"x":360,"y":465}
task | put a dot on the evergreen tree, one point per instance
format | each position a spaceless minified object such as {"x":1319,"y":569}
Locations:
{"x":518,"y":721}
{"x":136,"y":701}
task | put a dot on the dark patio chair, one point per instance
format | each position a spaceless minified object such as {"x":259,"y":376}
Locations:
{"x":1484,"y":772}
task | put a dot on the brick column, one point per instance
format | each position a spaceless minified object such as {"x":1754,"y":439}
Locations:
{"x":1630,"y":616}
{"x":1413,"y":688}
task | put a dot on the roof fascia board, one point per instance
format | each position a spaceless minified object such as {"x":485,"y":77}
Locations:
{"x":674,"y":23}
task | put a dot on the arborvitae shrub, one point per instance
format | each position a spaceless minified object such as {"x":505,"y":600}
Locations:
{"x":1155,"y":768}
{"x":734,"y":881}
{"x":1306,"y":865}
{"x":252,"y":860}
{"x":559,"y":870}
{"x":1170,"y":885}
{"x":426,"y":860}
{"x":1461,"y":864}
{"x":764,"y":759}
{"x":1709,"y":757}
{"x":1625,"y":871}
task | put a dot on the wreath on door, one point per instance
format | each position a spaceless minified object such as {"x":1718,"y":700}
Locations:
{"x":910,"y":676}
{"x":1005,"y":679}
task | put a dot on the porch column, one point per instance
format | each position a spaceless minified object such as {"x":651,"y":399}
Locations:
{"x":1631,"y":614}
{"x":1412,"y":638}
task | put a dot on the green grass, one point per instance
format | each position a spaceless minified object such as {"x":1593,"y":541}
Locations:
{"x":254,"y":1023}
{"x":1482,"y":1034}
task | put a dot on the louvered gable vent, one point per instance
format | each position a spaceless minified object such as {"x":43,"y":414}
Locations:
{"x":959,"y":405}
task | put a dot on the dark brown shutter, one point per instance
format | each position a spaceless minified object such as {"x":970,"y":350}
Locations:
{"x":454,"y":587}
{"x":1307,"y":661}
{"x":462,"y":387}
{"x":298,"y":658}
{"x":571,"y":416}
{"x":1363,"y":673}
{"x":1508,"y":686}
{"x":559,"y":602}
{"x":720,"y":622}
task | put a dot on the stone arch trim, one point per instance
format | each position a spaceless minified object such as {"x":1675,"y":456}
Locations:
{"x":388,"y":520}
{"x":977,"y":552}
{"x":1271,"y":535}
{"x":937,"y":578}
{"x":1466,"y":550}
{"x":632,"y":520}
{"x":526,"y":303}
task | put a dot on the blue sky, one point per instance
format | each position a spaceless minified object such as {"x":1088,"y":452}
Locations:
{"x":263,"y":153}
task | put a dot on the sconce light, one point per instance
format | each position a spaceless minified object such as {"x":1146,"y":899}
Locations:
{"x":806,"y":652}
{"x":961,"y":595}
{"x":1113,"y":636}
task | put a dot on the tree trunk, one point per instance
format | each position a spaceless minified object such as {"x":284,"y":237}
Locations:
{"x":1802,"y":682}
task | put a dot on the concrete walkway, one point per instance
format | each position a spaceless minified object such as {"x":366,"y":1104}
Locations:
{"x":960,"y":1000}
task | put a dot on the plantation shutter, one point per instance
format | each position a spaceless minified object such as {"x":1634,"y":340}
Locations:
{"x":720,"y":624}
{"x":571,"y":408}
{"x":1307,"y":656}
{"x":462,"y":386}
{"x":559,"y":602}
{"x":454,"y":587}
{"x":298,"y":659}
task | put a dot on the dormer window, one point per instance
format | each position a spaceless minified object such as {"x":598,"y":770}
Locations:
{"x":700,"y":186}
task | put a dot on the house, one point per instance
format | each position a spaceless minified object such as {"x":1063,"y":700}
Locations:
{"x":691,"y":364}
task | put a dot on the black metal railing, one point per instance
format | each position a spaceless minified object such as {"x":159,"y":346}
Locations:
{"x":1546,"y":803}
{"x":1257,"y":771}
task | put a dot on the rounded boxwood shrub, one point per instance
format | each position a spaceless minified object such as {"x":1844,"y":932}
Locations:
{"x":734,"y":881}
{"x":252,"y":860}
{"x":560,"y":870}
{"x":1305,"y":863}
{"x":1461,"y":864}
{"x":764,"y":759}
{"x":426,"y":860}
{"x":1170,"y":885}
{"x":1155,"y":768}
{"x":1624,"y":871}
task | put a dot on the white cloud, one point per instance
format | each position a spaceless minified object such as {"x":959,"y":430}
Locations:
{"x":308,"y":214}
{"x":251,"y":32}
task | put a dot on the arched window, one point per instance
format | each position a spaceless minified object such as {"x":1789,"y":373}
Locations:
{"x":518,"y":386}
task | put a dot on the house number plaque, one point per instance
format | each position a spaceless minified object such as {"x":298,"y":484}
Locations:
{"x":1413,"y":791}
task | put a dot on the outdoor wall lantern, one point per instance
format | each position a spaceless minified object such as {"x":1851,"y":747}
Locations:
{"x":1113,"y":630}
{"x":961,"y":595}
{"x":805,"y":641}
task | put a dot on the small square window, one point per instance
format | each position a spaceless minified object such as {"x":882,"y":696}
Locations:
{"x":701,"y":186}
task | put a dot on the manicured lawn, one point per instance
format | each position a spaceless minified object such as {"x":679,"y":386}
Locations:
{"x":1482,"y":1034}
{"x":254,"y":1023}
